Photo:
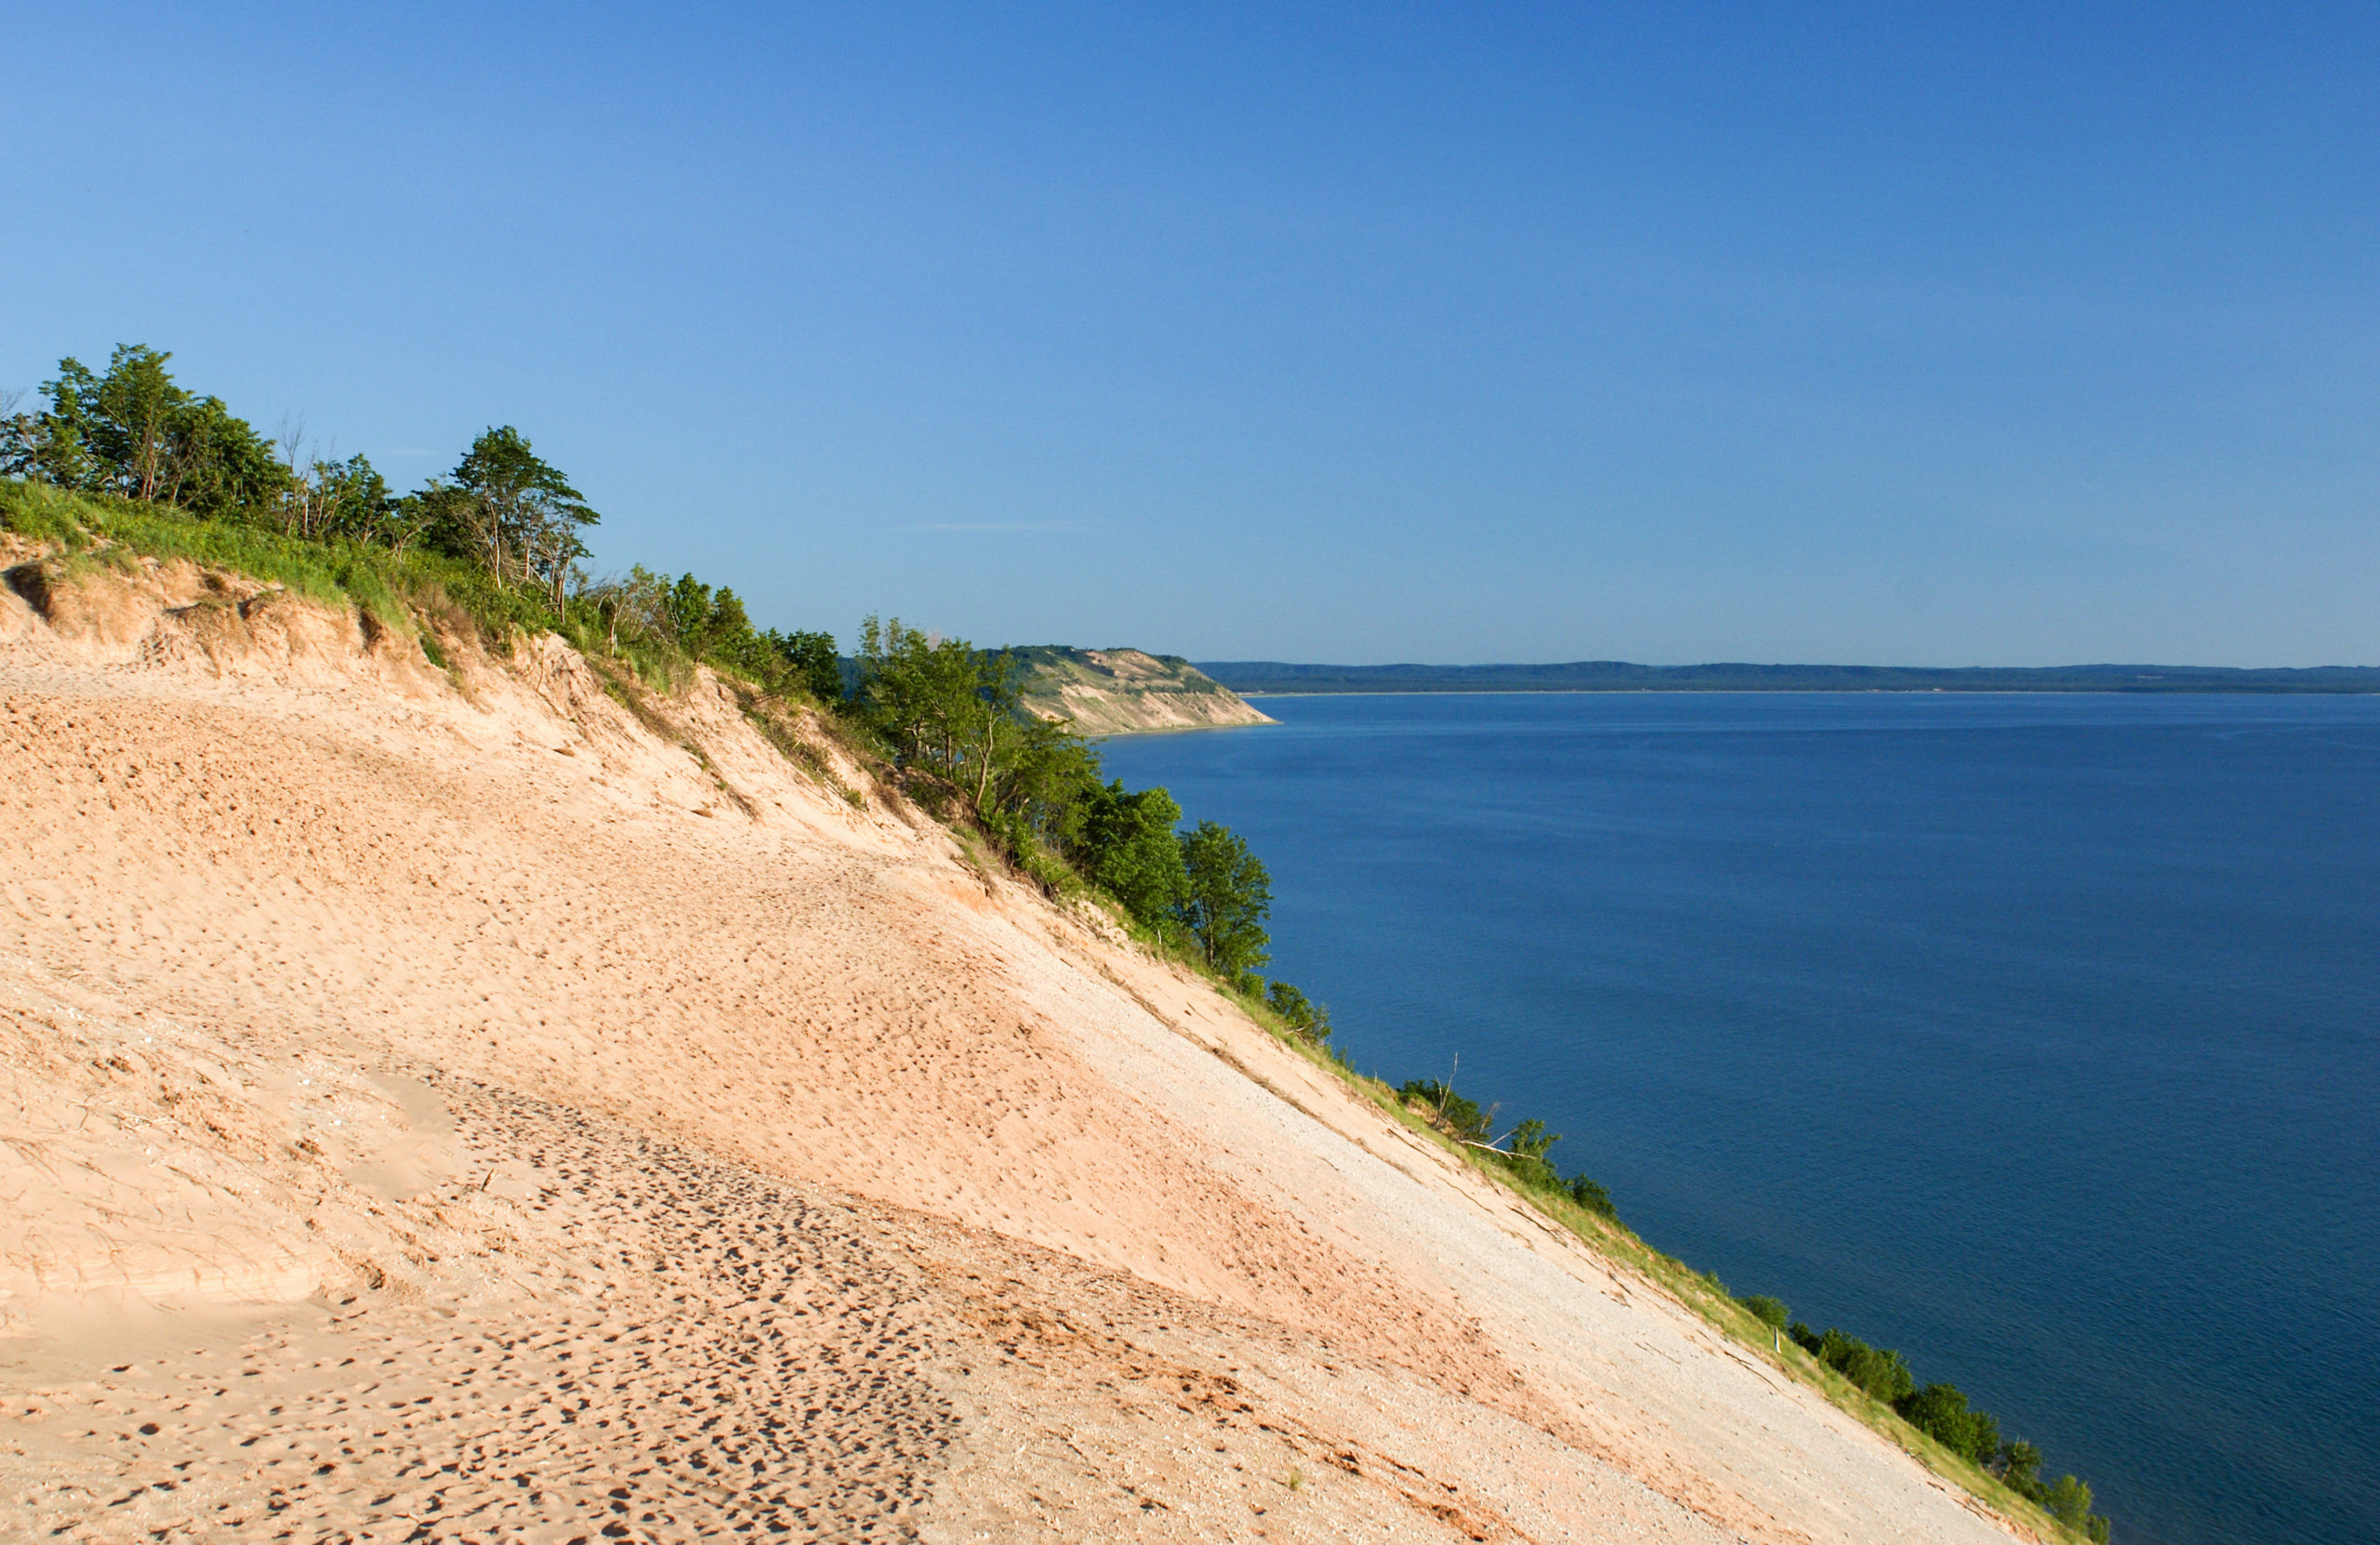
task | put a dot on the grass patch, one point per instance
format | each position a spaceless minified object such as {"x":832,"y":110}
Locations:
{"x":40,"y":513}
{"x":116,"y":530}
{"x":396,"y":593}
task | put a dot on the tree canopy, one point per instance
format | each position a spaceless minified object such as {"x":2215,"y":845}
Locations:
{"x":1227,"y":900}
{"x":512,"y":509}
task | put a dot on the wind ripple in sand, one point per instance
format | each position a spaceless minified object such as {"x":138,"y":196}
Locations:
{"x":745,"y":1364}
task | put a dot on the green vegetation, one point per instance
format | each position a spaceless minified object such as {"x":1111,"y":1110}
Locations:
{"x":1128,"y":849}
{"x":1942,"y":1412}
{"x":949,"y":718}
{"x":1450,"y":1113}
{"x":1227,"y":901}
{"x":1933,"y":1422}
{"x":1520,"y":1153}
{"x":129,"y":463}
{"x":1301,"y":1016}
{"x":1871,"y":1379}
{"x":128,"y":459}
{"x":1769,"y":1312}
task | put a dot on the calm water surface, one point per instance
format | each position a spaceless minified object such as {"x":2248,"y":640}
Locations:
{"x":2038,"y":1037}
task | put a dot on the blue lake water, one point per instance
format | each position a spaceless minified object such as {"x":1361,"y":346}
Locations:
{"x":2038,"y":1037}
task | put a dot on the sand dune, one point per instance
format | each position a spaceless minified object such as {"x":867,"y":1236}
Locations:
{"x":453,"y":1107}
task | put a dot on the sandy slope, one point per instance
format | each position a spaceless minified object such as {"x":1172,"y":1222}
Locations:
{"x":1110,"y":692}
{"x":457,"y":1110}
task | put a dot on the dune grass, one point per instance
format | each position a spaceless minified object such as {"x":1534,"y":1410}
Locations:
{"x":85,"y":524}
{"x":400,"y":592}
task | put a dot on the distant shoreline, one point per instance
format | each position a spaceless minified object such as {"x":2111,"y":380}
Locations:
{"x":1279,"y":679}
{"x":1794,"y":692}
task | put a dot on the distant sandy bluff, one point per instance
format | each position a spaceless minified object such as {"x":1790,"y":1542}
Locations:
{"x":1107,"y":692}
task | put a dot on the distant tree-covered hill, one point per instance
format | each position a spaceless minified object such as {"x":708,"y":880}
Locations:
{"x":1274,"y":676}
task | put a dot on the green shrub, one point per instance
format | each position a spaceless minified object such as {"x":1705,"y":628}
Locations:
{"x":2068,"y":1501}
{"x":1533,"y":1172}
{"x":1294,"y":1010}
{"x":1448,"y":1110}
{"x":1768,"y":1311}
{"x":1883,"y":1373}
{"x":2019,"y":1466}
{"x":1590,"y":1194}
{"x":1941,"y":1412}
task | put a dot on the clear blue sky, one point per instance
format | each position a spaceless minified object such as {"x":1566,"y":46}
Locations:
{"x":1986,"y":333}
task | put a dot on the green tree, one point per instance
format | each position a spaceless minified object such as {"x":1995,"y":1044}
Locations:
{"x":1227,"y":901}
{"x":2020,"y":1465}
{"x":951,"y":711}
{"x":517,"y":514}
{"x":335,"y":499}
{"x":1043,"y":777}
{"x":47,"y":446}
{"x":224,"y":469}
{"x":128,"y":419}
{"x":1525,"y":1149}
{"x":930,"y":698}
{"x":1530,"y":1139}
{"x":356,"y":501}
{"x":1590,"y":1195}
{"x":1126,"y":847}
{"x":1883,"y":1373}
{"x":134,"y":433}
{"x":686,"y":613}
{"x":1982,"y":1437}
{"x":809,"y":659}
{"x":635,"y":608}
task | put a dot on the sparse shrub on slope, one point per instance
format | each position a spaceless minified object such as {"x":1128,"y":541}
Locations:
{"x":1769,"y":1312}
{"x":1453,"y":1114}
{"x":1883,"y":1374}
{"x":1942,"y":1412}
{"x":1297,"y":1012}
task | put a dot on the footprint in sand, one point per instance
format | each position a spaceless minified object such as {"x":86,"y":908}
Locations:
{"x":735,"y":1359}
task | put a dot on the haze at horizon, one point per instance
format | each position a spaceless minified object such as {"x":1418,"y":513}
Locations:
{"x":1332,"y":335}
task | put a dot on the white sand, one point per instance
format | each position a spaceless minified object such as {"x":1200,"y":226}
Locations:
{"x":435,"y":1113}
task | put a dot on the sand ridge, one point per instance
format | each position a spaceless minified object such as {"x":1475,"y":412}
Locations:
{"x":477,"y":1011}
